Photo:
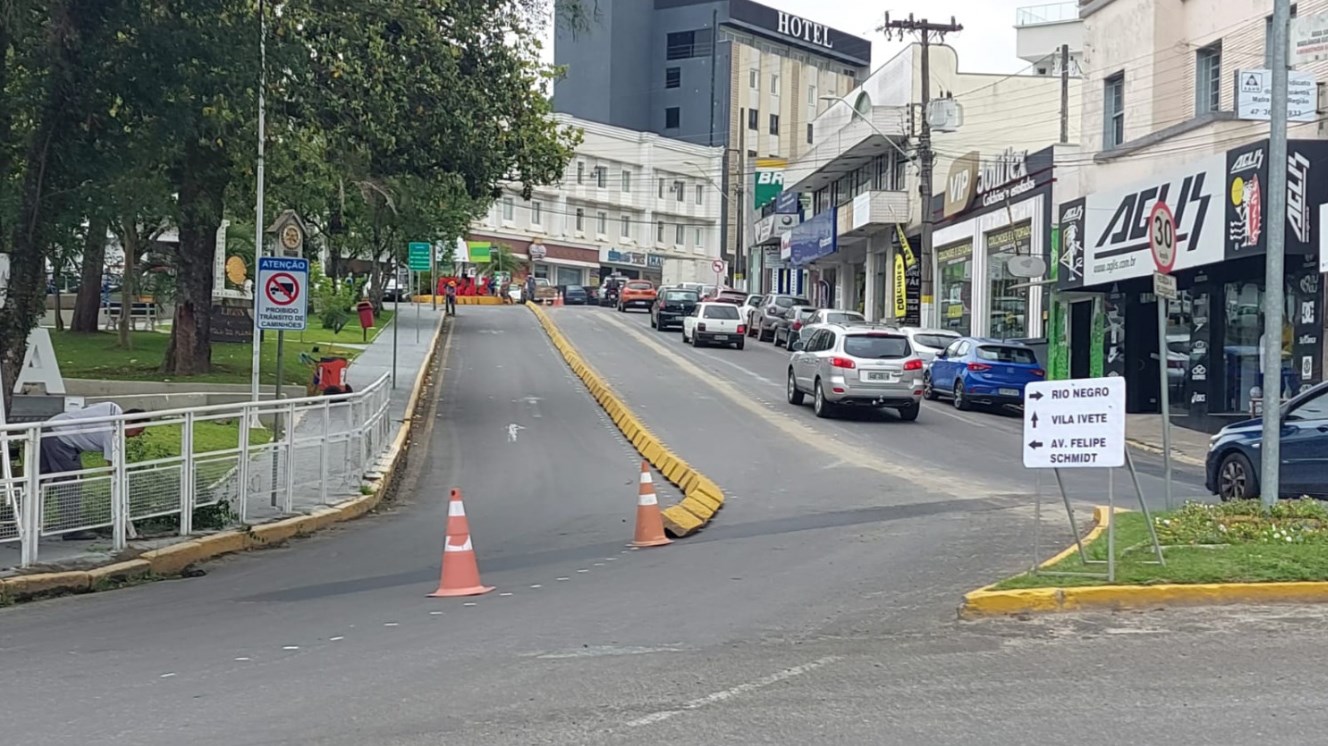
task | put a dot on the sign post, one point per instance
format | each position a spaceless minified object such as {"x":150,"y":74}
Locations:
{"x":1080,"y":424}
{"x":1162,"y":242}
{"x":720,"y":268}
{"x":419,"y":259}
{"x":281,"y":305}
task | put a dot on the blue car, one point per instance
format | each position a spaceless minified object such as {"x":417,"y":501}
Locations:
{"x":1233,"y":454}
{"x":982,"y":371}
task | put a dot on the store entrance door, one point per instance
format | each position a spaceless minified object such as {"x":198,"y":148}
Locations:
{"x":1081,"y":339}
{"x":1143,"y":390}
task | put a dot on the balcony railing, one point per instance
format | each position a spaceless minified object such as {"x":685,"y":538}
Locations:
{"x":1035,"y":15}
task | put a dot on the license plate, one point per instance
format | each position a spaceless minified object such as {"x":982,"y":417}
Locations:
{"x":877,"y":375}
{"x":721,"y":337}
{"x":1009,"y":392}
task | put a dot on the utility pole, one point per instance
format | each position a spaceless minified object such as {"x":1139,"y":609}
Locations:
{"x":714,"y":66}
{"x":926,"y":32}
{"x":1065,"y":93}
{"x":739,"y":251}
{"x":1274,"y":276}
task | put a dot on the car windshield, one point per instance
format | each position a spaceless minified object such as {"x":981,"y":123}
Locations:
{"x":1003,"y":354}
{"x":680,"y":295}
{"x":787,"y":302}
{"x":935,"y":341}
{"x":877,"y":346}
{"x":721,"y":312}
{"x":575,"y":289}
{"x":844,"y":318}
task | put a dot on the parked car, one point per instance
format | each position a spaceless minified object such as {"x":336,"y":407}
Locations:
{"x":714,"y":323}
{"x":928,"y":342}
{"x":575,"y":295}
{"x":749,"y":307}
{"x":787,"y":327}
{"x":847,"y":365}
{"x":773,"y":308}
{"x":825,"y":316}
{"x":736,"y":297}
{"x":1233,"y":464}
{"x":671,"y":305}
{"x":982,"y":371}
{"x":636,"y":294}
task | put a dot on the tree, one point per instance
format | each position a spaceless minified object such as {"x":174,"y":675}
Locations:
{"x":87,"y":305}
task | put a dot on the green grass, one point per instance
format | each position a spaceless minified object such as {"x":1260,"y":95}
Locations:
{"x":163,"y":441}
{"x":352,"y":333}
{"x":1205,"y":544}
{"x":99,"y":356}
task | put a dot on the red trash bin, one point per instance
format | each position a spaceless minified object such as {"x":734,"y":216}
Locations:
{"x":366,"y":311}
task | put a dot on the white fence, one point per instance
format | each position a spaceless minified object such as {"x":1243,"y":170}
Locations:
{"x":193,"y":458}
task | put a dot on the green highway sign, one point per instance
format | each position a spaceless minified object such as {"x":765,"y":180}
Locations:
{"x":421,"y":254}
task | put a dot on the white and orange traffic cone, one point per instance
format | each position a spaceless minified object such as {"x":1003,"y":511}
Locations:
{"x":461,"y":573}
{"x":649,"y":522}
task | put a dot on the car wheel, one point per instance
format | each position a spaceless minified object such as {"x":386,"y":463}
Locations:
{"x":819,"y":404}
{"x":696,"y":341}
{"x":684,"y":335}
{"x":1235,"y":478}
{"x":910,"y":412}
{"x":928,"y":390}
{"x":653,"y":324}
{"x":795,"y":395}
{"x":777,"y":342}
{"x":760,"y":334}
{"x":740,"y":344}
{"x":959,"y":401}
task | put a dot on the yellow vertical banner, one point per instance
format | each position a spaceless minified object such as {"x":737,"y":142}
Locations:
{"x":909,"y":258}
{"x":901,"y":287}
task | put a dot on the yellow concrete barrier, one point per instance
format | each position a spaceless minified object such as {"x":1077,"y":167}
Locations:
{"x":702,"y":498}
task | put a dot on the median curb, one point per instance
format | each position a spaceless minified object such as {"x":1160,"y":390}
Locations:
{"x":986,"y":602}
{"x":172,"y":560}
{"x":1177,"y":456}
{"x":702,"y":498}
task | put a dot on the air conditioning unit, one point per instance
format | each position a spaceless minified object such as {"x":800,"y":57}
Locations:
{"x":945,"y":115}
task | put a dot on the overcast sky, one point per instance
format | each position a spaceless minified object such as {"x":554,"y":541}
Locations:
{"x":985,"y":45}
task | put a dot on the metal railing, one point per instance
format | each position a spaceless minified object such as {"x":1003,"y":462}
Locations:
{"x":1034,"y":15}
{"x":313,"y":449}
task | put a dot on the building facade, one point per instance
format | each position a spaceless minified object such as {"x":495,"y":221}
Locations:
{"x":631,"y":202}
{"x":1162,"y":124}
{"x":995,"y":193}
{"x":725,"y":73}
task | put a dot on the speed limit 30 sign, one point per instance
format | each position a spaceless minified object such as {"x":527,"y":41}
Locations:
{"x":1162,"y":237}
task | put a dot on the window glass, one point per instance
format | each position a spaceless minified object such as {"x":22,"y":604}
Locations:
{"x":963,"y":348}
{"x":1008,"y":294}
{"x":680,"y":295}
{"x":1314,"y":409}
{"x":877,"y":346}
{"x":806,"y":313}
{"x":844,"y":318}
{"x":721,"y":312}
{"x":935,"y":341}
{"x":955,"y":266}
{"x":1002,"y":354}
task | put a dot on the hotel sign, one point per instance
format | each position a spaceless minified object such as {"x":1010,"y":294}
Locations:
{"x":801,"y":28}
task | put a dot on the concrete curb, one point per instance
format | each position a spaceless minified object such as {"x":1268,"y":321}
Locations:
{"x":170,"y":561}
{"x":1176,"y":456}
{"x":702,"y":498}
{"x":985,"y":602}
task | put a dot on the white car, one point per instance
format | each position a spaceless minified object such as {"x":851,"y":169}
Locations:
{"x":714,"y":323}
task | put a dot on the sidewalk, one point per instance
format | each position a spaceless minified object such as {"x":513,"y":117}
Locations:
{"x":414,"y":336}
{"x":1144,"y":431}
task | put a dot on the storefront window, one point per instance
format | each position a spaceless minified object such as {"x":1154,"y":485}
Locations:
{"x":955,"y":276}
{"x":541,"y":271}
{"x":1245,"y":340}
{"x":1180,"y":346}
{"x":1008,"y":301}
{"x":568,"y":276}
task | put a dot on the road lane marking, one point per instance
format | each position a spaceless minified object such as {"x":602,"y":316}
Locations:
{"x":935,"y":480}
{"x":737,"y":691}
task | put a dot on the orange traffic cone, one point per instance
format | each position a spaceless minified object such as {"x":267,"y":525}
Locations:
{"x":649,"y":523}
{"x":558,"y":300}
{"x":461,"y":573}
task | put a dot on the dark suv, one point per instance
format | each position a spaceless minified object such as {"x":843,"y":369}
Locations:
{"x":670,"y":306}
{"x":773,"y":310}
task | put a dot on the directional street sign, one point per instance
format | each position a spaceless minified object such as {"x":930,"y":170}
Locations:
{"x":282,"y":287}
{"x":1076,"y":424}
{"x":420,"y":255}
{"x":1164,"y":286}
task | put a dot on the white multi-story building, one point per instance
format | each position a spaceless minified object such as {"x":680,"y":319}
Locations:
{"x":632,"y":202}
{"x":1162,"y":123}
{"x":993,"y":196}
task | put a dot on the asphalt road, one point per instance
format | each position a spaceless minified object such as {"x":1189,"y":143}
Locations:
{"x":819,"y":607}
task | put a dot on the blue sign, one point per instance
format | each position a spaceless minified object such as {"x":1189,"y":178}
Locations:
{"x":282,"y":293}
{"x":787,"y":203}
{"x":814,"y":239}
{"x":634,"y":258}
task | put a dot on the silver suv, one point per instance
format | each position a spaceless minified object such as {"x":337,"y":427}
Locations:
{"x":869,"y":366}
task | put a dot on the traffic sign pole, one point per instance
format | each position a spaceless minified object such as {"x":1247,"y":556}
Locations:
{"x":1162,"y":241}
